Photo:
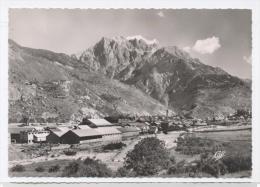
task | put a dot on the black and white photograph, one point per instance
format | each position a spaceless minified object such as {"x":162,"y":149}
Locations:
{"x":159,"y":93}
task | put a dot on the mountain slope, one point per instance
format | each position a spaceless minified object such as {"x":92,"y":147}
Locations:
{"x":190,"y":86}
{"x":170,"y":75}
{"x":51,"y":86}
{"x":119,"y":75}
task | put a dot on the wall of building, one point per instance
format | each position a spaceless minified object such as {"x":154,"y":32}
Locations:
{"x":90,"y":137}
{"x":53,"y":138}
{"x":15,"y":138}
{"x":26,"y":137}
{"x":70,"y":138}
{"x":126,"y":135}
{"x":112,"y":137}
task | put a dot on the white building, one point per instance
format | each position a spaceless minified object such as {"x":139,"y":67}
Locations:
{"x":34,"y":136}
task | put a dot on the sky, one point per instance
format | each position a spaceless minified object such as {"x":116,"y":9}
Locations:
{"x":220,"y":38}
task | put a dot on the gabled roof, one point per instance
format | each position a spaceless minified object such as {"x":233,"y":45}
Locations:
{"x":100,"y":122}
{"x":108,"y":130}
{"x":58,"y":133}
{"x":86,"y":132}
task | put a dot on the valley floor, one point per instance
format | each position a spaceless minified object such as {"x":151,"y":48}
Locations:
{"x":114,"y":159}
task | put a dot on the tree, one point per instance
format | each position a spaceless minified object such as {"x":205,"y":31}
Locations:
{"x":148,"y":157}
{"x":211,"y":166}
{"x":124,"y":172}
{"x":165,"y":127}
{"x":87,"y":168}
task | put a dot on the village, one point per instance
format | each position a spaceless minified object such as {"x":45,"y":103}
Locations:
{"x":114,"y":130}
{"x":109,"y":139}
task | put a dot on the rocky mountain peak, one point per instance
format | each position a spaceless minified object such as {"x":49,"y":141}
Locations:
{"x":142,"y":39}
{"x":105,"y":71}
{"x":172,"y":51}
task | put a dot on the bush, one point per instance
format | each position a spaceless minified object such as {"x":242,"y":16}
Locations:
{"x":54,"y":168}
{"x":208,"y":164}
{"x":172,"y":160}
{"x":18,"y":168}
{"x":71,"y":169}
{"x":237,"y":163}
{"x":113,"y":146}
{"x":177,"y":168}
{"x":70,"y":152}
{"x":191,"y":145}
{"x":122,"y":172}
{"x":214,"y":168}
{"x":148,"y":157}
{"x":39,"y":169}
{"x":87,"y":168}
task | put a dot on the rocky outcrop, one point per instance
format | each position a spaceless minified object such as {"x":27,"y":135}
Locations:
{"x":117,"y":57}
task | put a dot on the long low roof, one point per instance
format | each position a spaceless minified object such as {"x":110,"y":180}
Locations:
{"x":108,"y":130}
{"x":100,"y":131}
{"x":86,"y":132}
{"x":100,"y":122}
{"x":128,"y":129}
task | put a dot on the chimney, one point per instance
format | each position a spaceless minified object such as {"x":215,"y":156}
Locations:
{"x":167,"y":114}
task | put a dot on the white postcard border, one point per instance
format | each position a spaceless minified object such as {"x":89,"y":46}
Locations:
{"x":254,"y":5}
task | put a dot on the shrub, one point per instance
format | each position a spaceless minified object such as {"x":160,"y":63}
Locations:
{"x":211,"y":166}
{"x":71,"y":169}
{"x":87,"y":168}
{"x":18,"y":168}
{"x":172,"y":160}
{"x":54,"y":168}
{"x":214,"y":168}
{"x":70,"y":152}
{"x":148,"y":157}
{"x":113,"y":146}
{"x":190,"y":145}
{"x":39,"y":169}
{"x":122,"y":172}
{"x":177,"y":168}
{"x":237,"y":163}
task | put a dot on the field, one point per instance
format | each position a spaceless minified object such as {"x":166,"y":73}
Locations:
{"x":235,"y":142}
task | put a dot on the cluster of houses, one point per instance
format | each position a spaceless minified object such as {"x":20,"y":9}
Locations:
{"x":91,"y":130}
{"x":94,"y":130}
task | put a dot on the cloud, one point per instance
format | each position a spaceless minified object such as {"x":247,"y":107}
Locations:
{"x":139,"y":37}
{"x":207,"y":46}
{"x":160,"y":14}
{"x":247,"y":59}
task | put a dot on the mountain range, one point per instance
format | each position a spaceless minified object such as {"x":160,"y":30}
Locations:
{"x":120,"y":75}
